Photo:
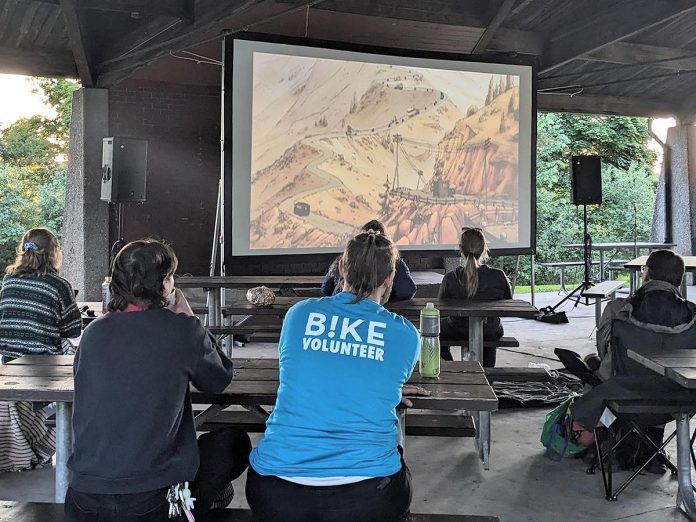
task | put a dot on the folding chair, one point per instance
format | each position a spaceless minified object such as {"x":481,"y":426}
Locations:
{"x":631,"y":419}
{"x":632,"y":424}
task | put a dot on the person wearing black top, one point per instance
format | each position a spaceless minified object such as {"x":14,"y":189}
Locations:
{"x":476,"y":281}
{"x":404,"y":286}
{"x":134,"y":433}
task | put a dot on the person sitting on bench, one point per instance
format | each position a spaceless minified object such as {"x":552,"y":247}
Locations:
{"x":656,"y":306}
{"x":473,"y":280}
{"x":38,"y":316}
{"x":330,"y":447}
{"x":404,"y":286}
{"x":135,"y":437}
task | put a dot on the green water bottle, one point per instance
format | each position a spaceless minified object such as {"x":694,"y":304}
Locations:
{"x":429,"y":364}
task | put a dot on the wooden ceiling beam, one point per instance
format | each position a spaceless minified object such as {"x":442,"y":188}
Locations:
{"x":599,"y":104}
{"x":500,"y":16}
{"x":78,"y":42}
{"x":215,"y":18}
{"x":625,"y":53}
{"x":609,"y":24}
{"x":137,"y":8}
{"x":33,"y":62}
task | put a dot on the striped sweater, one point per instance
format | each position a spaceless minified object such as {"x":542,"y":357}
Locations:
{"x":36,"y":313}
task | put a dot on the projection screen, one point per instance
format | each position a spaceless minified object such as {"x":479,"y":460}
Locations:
{"x":324,"y":140}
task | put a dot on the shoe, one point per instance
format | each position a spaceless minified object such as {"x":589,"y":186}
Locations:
{"x":656,"y":467}
{"x":593,"y":361}
{"x":224,"y":497}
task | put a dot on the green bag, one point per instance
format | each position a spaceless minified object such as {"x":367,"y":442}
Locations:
{"x":557,"y":434}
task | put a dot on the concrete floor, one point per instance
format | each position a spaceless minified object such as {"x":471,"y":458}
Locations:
{"x":522,"y":485}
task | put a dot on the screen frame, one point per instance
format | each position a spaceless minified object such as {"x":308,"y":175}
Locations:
{"x":226,"y":140}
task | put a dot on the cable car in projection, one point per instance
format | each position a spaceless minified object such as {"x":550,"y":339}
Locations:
{"x":301,"y":208}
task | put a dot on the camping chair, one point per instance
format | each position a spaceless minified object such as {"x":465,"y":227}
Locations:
{"x":629,"y":425}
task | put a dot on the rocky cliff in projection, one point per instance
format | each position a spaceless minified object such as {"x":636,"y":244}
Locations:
{"x":337,"y":143}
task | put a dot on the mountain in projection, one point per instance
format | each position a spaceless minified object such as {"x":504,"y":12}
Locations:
{"x":337,"y":143}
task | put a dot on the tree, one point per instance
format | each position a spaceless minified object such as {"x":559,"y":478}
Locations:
{"x":490,"y":95}
{"x":58,"y":94}
{"x":32,"y":168}
{"x":628,"y":179}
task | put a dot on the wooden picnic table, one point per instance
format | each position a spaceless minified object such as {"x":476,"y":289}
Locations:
{"x":47,"y":378}
{"x":636,"y":264}
{"x":620,"y":245}
{"x":476,"y":311}
{"x":678,"y":365}
{"x":215,"y":285}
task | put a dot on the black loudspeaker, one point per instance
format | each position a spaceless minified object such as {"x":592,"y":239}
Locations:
{"x":124,"y":170}
{"x":586,"y":180}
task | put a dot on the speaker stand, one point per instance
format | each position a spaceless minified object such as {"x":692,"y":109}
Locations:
{"x":576,"y":294}
{"x":120,"y":242}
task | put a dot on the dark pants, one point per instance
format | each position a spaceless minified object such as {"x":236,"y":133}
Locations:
{"x":224,"y":456}
{"x":492,"y":331}
{"x":382,"y":499}
{"x":588,"y":409}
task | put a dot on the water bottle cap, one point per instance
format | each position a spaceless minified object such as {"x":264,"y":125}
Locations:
{"x":429,"y":306}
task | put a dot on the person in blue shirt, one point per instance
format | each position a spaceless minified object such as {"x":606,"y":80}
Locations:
{"x":403,"y":287}
{"x":330,"y":450}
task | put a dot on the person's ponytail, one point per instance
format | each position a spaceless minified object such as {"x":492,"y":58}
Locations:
{"x":470,"y":282}
{"x":474,"y":250}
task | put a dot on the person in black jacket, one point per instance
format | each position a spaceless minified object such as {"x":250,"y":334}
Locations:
{"x":404,"y":286}
{"x":134,"y":434}
{"x":473,"y":280}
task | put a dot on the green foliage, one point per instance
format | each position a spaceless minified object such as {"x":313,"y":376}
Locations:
{"x":628,"y":183}
{"x":27,"y":144}
{"x":32,"y":168}
{"x":58,"y":94}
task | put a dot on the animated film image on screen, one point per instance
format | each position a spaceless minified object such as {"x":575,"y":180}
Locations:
{"x":336,"y":143}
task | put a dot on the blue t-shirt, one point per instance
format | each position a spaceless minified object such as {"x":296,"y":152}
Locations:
{"x":342,"y":366}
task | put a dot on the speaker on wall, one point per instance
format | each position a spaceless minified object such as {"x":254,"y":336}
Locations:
{"x":124,"y":170}
{"x":586,"y":180}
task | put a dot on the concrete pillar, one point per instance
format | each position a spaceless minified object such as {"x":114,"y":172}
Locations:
{"x":86,"y":217}
{"x":680,"y":165}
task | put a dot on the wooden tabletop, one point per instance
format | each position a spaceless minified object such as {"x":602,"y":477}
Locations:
{"x":39,"y":378}
{"x":677,"y":365}
{"x":622,"y":244}
{"x":272,"y":281}
{"x":410,"y":308}
{"x":637,"y":263}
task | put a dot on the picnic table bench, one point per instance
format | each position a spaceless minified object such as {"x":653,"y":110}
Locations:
{"x":602,"y":247}
{"x":599,"y":292}
{"x":562,"y":266}
{"x":44,"y":512}
{"x":678,"y":365}
{"x":48,"y":378}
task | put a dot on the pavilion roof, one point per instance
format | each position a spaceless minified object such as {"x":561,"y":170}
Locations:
{"x":619,"y":57}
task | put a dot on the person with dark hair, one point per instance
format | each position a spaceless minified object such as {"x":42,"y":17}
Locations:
{"x":134,"y":434}
{"x":473,"y":280}
{"x":38,"y":315}
{"x":656,"y":304}
{"x":403,"y":287}
{"x":655,"y":308}
{"x":330,"y":447}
